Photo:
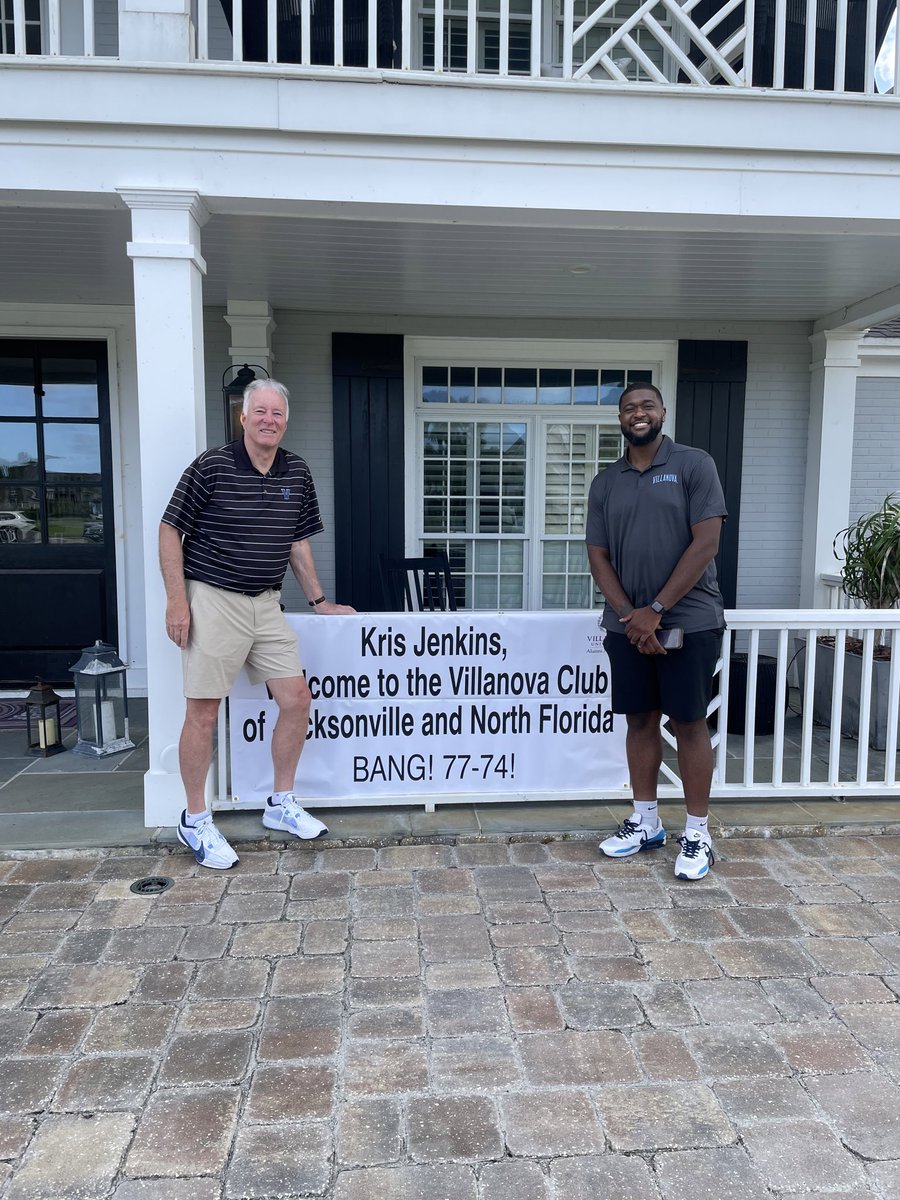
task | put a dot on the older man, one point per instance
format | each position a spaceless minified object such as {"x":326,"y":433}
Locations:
{"x":654,"y":520}
{"x":238,"y":517}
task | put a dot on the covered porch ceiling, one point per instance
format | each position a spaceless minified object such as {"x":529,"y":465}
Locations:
{"x":527,"y":268}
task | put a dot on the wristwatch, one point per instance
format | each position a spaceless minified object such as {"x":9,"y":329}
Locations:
{"x":658,"y":608}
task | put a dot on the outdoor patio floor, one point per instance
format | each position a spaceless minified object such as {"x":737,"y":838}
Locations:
{"x":490,"y":1011}
{"x":487,"y":1020}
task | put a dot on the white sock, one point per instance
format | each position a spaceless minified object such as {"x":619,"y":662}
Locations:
{"x":280,"y":797}
{"x":696,"y":824}
{"x":192,"y":819}
{"x":648,"y":811}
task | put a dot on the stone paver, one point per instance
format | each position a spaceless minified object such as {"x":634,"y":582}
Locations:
{"x":486,"y":1020}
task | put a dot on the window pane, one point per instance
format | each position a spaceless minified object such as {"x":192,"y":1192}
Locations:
{"x":72,"y":451}
{"x":586,"y":387}
{"x":462,"y":439}
{"x":74,"y":514}
{"x":612,"y":384}
{"x":520,"y":385}
{"x":434,"y":385}
{"x":486,"y":592}
{"x":70,"y":387}
{"x":20,"y":514}
{"x":485,"y":556}
{"x":462,"y":385}
{"x":640,"y":376}
{"x":490,"y":381}
{"x":434,"y":442}
{"x":511,"y":592}
{"x":512,"y":556}
{"x":556,"y":386}
{"x":18,"y":450}
{"x":16,"y":387}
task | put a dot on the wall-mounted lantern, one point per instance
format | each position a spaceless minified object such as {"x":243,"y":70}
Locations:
{"x":42,"y":721}
{"x":101,"y":702}
{"x":233,"y":395}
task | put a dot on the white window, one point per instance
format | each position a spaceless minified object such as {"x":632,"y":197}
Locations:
{"x":505,"y":449}
{"x":487,"y":35}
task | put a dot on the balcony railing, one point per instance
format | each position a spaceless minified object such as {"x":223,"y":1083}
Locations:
{"x":835,"y":46}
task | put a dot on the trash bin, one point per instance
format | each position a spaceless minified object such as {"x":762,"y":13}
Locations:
{"x":766,"y":678}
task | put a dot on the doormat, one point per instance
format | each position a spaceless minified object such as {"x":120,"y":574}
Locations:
{"x":12,"y":713}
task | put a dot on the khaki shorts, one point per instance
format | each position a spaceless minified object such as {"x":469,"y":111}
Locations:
{"x":229,"y":631}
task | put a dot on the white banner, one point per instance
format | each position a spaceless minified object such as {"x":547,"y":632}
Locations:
{"x":436,"y":707}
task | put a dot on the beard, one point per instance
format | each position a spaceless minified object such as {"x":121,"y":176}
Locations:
{"x":645,"y":438}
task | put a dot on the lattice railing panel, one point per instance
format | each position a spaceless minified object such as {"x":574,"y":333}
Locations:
{"x":661,"y":41}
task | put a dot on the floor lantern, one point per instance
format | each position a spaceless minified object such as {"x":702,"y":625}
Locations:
{"x":101,"y":702}
{"x":42,"y":721}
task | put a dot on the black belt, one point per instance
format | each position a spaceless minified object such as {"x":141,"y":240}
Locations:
{"x":259,"y":593}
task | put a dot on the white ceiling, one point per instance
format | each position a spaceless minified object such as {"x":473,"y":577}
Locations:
{"x":445,"y":268}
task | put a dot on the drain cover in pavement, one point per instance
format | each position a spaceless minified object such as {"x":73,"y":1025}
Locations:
{"x":152,"y":885}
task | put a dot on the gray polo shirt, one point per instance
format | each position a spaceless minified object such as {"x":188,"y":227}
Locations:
{"x":644,"y":520}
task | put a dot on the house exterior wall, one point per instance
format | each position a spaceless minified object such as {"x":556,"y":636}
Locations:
{"x":774,"y":470}
{"x":876,"y":445}
{"x":774,"y":436}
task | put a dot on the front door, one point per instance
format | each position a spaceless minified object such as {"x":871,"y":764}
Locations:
{"x":57,"y":547}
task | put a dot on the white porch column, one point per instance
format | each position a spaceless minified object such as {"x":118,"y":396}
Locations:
{"x":829,"y":456}
{"x":155,"y":31}
{"x":168,"y":315}
{"x":252,"y":326}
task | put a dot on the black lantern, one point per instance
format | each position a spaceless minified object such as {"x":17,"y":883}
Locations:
{"x":233,"y":395}
{"x":101,"y":702}
{"x":42,"y":721}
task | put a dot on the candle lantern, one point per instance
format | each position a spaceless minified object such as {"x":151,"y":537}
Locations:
{"x":42,"y":721}
{"x":233,"y":395}
{"x":101,"y":702}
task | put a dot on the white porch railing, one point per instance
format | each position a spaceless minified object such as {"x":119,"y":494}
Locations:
{"x":808,"y":751}
{"x":810,"y":45}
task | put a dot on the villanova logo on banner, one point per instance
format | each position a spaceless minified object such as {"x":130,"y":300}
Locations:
{"x":286,"y":493}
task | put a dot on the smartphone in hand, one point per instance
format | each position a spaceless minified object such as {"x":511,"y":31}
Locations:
{"x":670,"y":639}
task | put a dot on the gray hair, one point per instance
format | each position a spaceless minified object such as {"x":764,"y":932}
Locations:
{"x":272,"y":385}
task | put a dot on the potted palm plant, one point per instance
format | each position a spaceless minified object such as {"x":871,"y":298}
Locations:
{"x":870,"y":549}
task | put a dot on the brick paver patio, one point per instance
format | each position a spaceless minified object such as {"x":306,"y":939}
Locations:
{"x":485,"y":1020}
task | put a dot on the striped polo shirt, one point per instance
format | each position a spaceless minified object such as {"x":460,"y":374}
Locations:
{"x":238,"y":526}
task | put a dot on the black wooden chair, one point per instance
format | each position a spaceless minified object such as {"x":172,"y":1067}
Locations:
{"x":417,"y":584}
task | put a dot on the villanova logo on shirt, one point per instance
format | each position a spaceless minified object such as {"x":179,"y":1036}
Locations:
{"x":665,"y":478}
{"x":286,"y":493}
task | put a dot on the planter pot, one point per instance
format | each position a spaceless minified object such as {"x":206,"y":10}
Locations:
{"x":824,"y":683}
{"x":766,"y":697}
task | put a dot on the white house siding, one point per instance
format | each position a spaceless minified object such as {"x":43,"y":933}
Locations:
{"x":876,"y":445}
{"x":774,"y":470}
{"x":775,"y":427}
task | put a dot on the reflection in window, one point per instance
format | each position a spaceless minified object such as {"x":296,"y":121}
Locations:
{"x":20,"y":514}
{"x":18,"y":450}
{"x":16,"y":387}
{"x":70,"y":388}
{"x":72,"y":451}
{"x":74,"y":514}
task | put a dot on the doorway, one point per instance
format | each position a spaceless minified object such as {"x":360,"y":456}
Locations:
{"x":57,"y":541}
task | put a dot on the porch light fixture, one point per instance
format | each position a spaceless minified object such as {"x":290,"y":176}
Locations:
{"x":233,"y":395}
{"x":42,"y":721}
{"x":101,"y":702}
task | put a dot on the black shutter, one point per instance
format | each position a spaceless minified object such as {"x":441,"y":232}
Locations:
{"x":367,"y":382}
{"x":712,"y":382}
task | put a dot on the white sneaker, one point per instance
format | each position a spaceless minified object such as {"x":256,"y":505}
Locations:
{"x":696,"y":855}
{"x":633,"y":837}
{"x":291,"y":818}
{"x":209,"y":847}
